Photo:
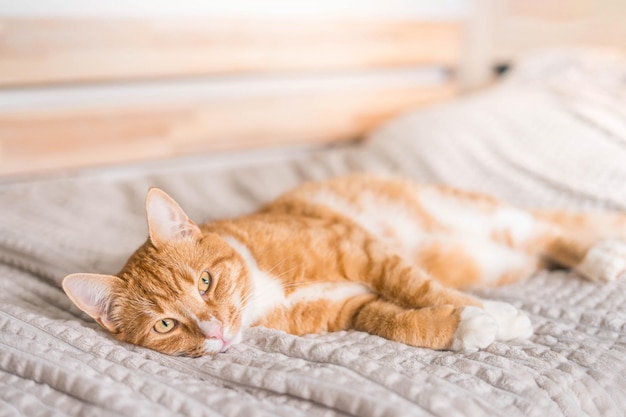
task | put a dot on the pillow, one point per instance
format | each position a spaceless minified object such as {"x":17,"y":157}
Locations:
{"x":553,"y":133}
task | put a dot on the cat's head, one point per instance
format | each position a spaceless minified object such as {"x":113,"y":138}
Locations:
{"x":183,"y":292}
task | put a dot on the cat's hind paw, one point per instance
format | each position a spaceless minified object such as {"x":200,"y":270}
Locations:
{"x":512,"y":323}
{"x":477,"y":330}
{"x":604,"y":262}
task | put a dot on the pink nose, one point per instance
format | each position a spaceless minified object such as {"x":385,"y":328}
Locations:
{"x":212,"y":330}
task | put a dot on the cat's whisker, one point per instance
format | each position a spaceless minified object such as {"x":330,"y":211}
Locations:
{"x":245,"y":300}
{"x":303,"y":284}
{"x":283,"y":273}
{"x":282,"y":261}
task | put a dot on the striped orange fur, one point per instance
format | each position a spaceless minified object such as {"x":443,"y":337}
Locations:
{"x":378,"y":255}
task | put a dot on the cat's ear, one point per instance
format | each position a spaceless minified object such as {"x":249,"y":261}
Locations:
{"x":92,"y":293}
{"x":167,"y":222}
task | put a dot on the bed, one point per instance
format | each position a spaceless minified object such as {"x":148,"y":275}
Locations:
{"x":553,"y":133}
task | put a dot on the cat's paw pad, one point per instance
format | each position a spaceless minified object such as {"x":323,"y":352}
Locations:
{"x":476,"y":330}
{"x":604,"y":262}
{"x":512,"y":323}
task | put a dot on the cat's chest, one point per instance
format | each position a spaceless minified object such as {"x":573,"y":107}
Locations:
{"x":310,"y":307}
{"x":269,"y":295}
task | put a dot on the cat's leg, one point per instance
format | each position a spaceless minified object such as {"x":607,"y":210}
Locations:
{"x":441,"y":327}
{"x":593,"y":244}
{"x":603,"y":260}
{"x":462,"y":261}
{"x":477,"y":239}
{"x":412,"y":288}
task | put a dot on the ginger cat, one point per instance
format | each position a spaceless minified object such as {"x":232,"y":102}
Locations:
{"x":359,"y":252}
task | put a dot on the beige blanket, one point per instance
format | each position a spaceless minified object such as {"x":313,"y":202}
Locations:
{"x":554,"y":134}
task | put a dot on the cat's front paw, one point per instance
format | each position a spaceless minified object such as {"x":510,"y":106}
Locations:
{"x":477,"y":330}
{"x":604,"y":262}
{"x":512,"y":323}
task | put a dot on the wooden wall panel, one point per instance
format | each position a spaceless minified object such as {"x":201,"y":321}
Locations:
{"x":41,"y":140}
{"x":51,"y":118}
{"x":71,"y":50}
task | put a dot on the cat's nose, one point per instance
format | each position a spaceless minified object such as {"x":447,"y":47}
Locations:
{"x":216,"y":333}
{"x":216,"y":337}
{"x":224,"y":338}
{"x":212,"y":330}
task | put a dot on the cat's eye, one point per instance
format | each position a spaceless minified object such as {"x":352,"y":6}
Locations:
{"x":164,"y":325}
{"x":204,"y":283}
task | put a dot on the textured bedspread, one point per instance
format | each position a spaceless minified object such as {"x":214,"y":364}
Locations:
{"x":554,"y":134}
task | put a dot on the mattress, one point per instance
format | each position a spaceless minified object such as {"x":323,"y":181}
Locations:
{"x":553,"y":134}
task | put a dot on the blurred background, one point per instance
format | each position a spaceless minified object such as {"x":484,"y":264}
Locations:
{"x":87,"y":83}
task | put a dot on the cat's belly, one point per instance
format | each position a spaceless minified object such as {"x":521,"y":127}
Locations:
{"x":394,"y":223}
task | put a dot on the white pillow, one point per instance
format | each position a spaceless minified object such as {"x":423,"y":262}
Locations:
{"x":552,"y":134}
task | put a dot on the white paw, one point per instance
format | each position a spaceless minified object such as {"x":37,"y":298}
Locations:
{"x":512,"y":323}
{"x":604,"y":262}
{"x":477,"y":330}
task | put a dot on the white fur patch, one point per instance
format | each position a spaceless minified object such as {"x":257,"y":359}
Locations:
{"x":512,"y":323}
{"x":477,"y":330}
{"x":518,"y":223}
{"x":213,"y":346}
{"x":474,"y":227}
{"x":462,"y":216}
{"x":327,"y":291}
{"x":604,"y":262}
{"x":493,"y":259}
{"x":267,"y":291}
{"x":390,"y":221}
{"x":455,"y":214}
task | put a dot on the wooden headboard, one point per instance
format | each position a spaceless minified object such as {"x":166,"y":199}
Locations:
{"x":78,"y":92}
